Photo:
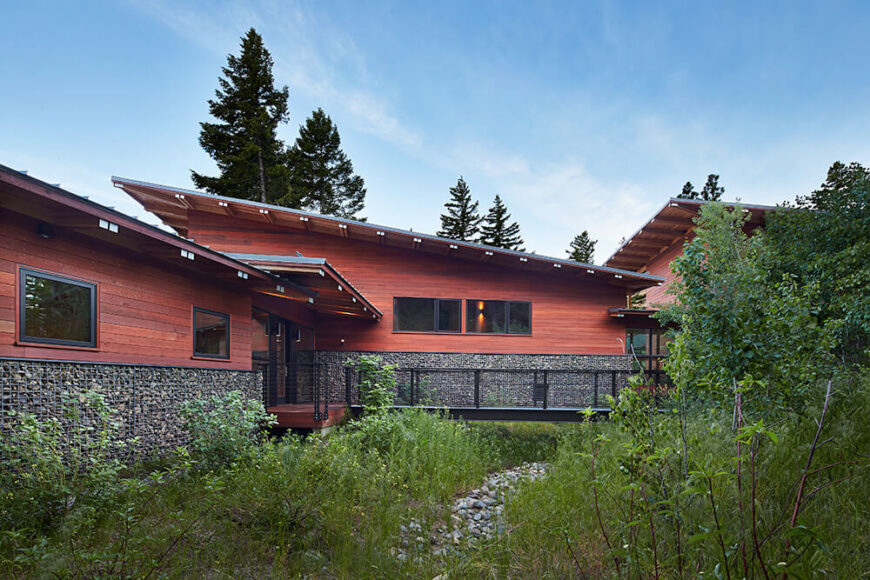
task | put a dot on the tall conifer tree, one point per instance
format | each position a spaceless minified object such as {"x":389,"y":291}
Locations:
{"x":462,"y":220}
{"x":711,"y":191}
{"x":496,"y":231}
{"x":322,"y":175}
{"x":582,"y":248}
{"x":249,"y":155}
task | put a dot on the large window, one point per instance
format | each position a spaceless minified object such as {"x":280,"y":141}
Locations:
{"x":498,"y":317}
{"x":211,"y":334}
{"x":426,"y":315}
{"x":57,"y":310}
{"x":649,"y":347}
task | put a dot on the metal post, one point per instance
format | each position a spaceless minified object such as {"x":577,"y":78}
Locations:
{"x":595,"y":392}
{"x":613,"y":383}
{"x":546,"y":389}
{"x":413,"y":380}
{"x":477,"y":389}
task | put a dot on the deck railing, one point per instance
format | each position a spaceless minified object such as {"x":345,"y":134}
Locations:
{"x":478,"y":388}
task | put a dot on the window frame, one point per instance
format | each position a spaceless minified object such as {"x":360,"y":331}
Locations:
{"x":197,"y":354}
{"x":435,"y":313}
{"x":22,"y":336}
{"x":507,"y":304}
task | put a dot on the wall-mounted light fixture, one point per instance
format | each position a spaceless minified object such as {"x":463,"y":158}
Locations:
{"x":45,"y":230}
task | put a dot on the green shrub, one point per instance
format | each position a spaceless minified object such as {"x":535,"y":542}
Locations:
{"x":52,"y":467}
{"x":377,"y":382}
{"x":223,"y":428}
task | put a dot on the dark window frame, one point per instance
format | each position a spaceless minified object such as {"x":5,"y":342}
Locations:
{"x":507,"y":304}
{"x":435,"y":313}
{"x":198,"y":354}
{"x":23,"y":273}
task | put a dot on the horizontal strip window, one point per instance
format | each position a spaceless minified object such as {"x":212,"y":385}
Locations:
{"x":498,"y":317}
{"x":57,"y":310}
{"x":427,"y":315}
{"x":211,"y":334}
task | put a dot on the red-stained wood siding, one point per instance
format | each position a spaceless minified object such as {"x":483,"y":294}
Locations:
{"x":660,"y":266}
{"x":568,"y":316}
{"x":144,"y":308}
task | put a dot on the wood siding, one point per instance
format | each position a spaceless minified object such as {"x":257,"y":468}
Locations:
{"x":661,"y":266}
{"x":144,"y":307}
{"x":569,"y":315}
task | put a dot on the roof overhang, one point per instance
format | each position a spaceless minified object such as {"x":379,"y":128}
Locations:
{"x":172,"y":205}
{"x":670,"y":225}
{"x":631,"y":312}
{"x":27,"y":196}
{"x":334,"y":294}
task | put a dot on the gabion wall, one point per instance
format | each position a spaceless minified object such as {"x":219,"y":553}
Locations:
{"x":146,"y":397}
{"x":574,"y":389}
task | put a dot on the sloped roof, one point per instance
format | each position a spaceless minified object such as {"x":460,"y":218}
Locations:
{"x":171,"y":205}
{"x":669,"y":225}
{"x":32,"y":197}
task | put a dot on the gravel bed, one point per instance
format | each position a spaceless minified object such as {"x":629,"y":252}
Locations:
{"x":474,"y":517}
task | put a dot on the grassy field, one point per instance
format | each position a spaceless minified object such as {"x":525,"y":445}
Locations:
{"x":331,"y":507}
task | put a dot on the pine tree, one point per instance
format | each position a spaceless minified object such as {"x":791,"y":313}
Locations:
{"x":249,"y":108}
{"x":322,"y":176}
{"x":711,"y":191}
{"x":688,"y":191}
{"x":462,"y":221}
{"x":582,"y":248}
{"x":495,"y":230}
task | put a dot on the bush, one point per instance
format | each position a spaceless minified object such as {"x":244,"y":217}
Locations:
{"x":53,"y":467}
{"x":377,"y":382}
{"x":223,"y":428}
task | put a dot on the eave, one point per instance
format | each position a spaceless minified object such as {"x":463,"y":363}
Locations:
{"x":671,"y":224}
{"x":172,"y":205}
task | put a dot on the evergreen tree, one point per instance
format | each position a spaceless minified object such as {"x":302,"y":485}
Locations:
{"x":711,"y":191}
{"x":582,"y":248}
{"x":462,"y":221}
{"x":495,"y":230}
{"x":249,"y":108}
{"x":688,"y":191}
{"x":322,"y":176}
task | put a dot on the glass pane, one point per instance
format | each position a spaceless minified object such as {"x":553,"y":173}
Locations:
{"x":211,"y":333}
{"x":260,"y":335}
{"x":415,"y":314}
{"x":485,"y":316}
{"x":448,"y":315}
{"x":520,"y":318}
{"x":57,"y":310}
{"x":638,"y":339}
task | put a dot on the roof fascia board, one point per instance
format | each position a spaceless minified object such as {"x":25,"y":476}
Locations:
{"x":388,"y":229}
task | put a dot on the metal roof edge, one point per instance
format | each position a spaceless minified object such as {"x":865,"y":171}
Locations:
{"x":122,"y":216}
{"x":473,"y":245}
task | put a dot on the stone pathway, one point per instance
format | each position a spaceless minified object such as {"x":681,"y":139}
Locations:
{"x":475,"y":516}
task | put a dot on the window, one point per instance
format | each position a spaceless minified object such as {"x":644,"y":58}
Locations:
{"x":426,"y":315}
{"x":498,"y":317}
{"x":649,"y":347}
{"x":57,"y":310}
{"x":211,"y":334}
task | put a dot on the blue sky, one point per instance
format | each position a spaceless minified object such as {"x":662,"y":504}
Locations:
{"x":581,"y":115}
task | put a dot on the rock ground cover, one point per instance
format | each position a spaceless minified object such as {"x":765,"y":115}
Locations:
{"x":475,"y":516}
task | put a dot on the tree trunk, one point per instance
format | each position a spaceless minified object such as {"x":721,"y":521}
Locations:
{"x":262,"y":176}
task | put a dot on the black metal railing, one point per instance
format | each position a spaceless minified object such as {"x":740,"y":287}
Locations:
{"x":505,"y":388}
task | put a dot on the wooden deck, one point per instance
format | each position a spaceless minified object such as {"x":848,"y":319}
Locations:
{"x":301,"y":416}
